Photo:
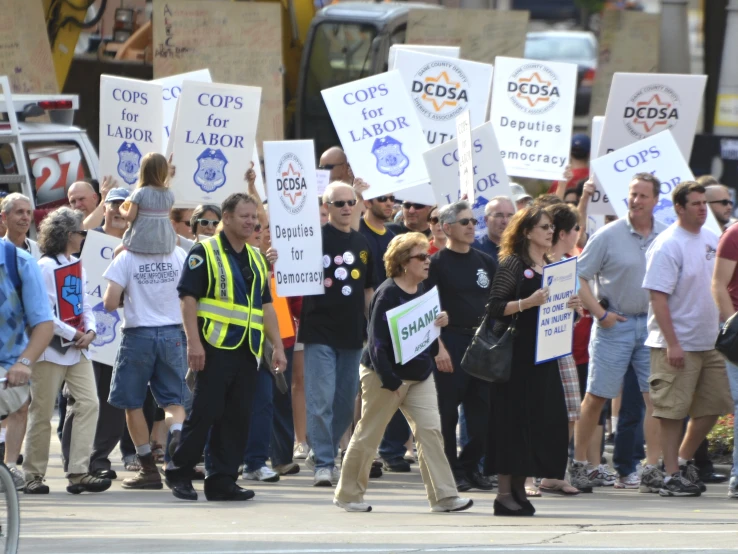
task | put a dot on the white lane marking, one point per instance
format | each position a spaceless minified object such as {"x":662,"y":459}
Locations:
{"x":410,"y":549}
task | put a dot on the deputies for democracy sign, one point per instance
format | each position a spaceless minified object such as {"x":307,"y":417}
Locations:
{"x":532,"y":113}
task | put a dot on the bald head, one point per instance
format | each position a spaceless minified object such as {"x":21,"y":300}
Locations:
{"x":335,"y":159}
{"x":718,"y":198}
{"x":82,"y":197}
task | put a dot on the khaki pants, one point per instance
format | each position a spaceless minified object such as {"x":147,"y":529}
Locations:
{"x":419,"y":403}
{"x":46,"y":380}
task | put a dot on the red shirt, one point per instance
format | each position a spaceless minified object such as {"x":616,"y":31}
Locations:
{"x":577,"y":175}
{"x":433,"y":248}
{"x":728,"y":249}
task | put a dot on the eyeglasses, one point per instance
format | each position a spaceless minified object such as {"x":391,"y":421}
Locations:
{"x":464,"y":222}
{"x":208,"y":222}
{"x":434,"y":220}
{"x":331,"y":166}
{"x":500,"y":215}
{"x":342,"y":203}
{"x":721,"y":202}
{"x":82,"y":233}
{"x":408,"y":205}
{"x":547,"y":227}
{"x":385,"y":199}
{"x":421,"y":257}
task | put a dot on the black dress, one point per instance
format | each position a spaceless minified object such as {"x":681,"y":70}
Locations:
{"x":529,"y":419}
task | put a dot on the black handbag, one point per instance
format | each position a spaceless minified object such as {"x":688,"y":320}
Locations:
{"x":489,"y":357}
{"x":727,"y":340}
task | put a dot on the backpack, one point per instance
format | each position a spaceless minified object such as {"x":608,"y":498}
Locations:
{"x":11,"y":253}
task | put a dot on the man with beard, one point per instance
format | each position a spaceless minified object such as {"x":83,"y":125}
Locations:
{"x":414,"y":218}
{"x":721,"y":204}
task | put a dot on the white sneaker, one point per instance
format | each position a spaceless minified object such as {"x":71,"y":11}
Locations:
{"x":262,"y":474}
{"x":323,"y":478}
{"x":335,"y":475}
{"x":18,"y":479}
{"x":607,"y":475}
{"x":632,"y":481}
{"x":453,"y":504}
{"x":310,"y":461}
{"x":353,"y":506}
{"x":301,"y":451}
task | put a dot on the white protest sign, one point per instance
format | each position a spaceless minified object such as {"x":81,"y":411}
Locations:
{"x":259,"y":183}
{"x":448,"y":51}
{"x":532,"y":113}
{"x":294,"y":216}
{"x":96,"y":257}
{"x":641,"y":105}
{"x":213,"y":141}
{"x":555,"y":329}
{"x":599,"y":203}
{"x":490,"y":178}
{"x":380,"y":132}
{"x":442,"y":89}
{"x":171,"y":89}
{"x":323,"y":178}
{"x":466,"y":164}
{"x":421,"y":194}
{"x":412,"y":325}
{"x":659,"y":155}
{"x":130,"y":126}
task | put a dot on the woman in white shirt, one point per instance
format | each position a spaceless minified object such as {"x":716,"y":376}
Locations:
{"x":61,"y":233}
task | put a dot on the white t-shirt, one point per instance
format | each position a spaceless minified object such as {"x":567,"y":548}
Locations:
{"x":680,"y":264}
{"x":150,"y":287}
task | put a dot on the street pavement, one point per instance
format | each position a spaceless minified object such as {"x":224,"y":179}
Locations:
{"x":293,"y":517}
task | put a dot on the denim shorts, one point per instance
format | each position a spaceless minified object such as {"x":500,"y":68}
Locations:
{"x":150,"y":356}
{"x":611,"y":350}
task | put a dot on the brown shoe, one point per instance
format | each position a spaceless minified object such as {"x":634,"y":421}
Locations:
{"x":147,"y":478}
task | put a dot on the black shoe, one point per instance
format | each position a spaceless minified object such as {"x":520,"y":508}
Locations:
{"x":691,"y":472}
{"x":463,"y":484}
{"x":36,"y":486}
{"x":524,"y":503}
{"x":87,"y":483}
{"x":712,"y":477}
{"x":502,"y":510}
{"x":375,"y":472}
{"x":397,"y":465}
{"x":105,"y":474}
{"x":679,"y":485}
{"x":481,"y":482}
{"x":182,"y":489}
{"x":233,"y":494}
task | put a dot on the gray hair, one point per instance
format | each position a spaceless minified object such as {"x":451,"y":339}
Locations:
{"x":10,"y":200}
{"x":53,"y":234}
{"x":335,"y":185}
{"x":448,"y":214}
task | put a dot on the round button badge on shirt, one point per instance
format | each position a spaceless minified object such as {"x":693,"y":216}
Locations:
{"x":355,"y":274}
{"x":341,"y":273}
{"x":338,"y":260}
{"x":346,"y":290}
{"x":326,"y":261}
{"x":348,"y":258}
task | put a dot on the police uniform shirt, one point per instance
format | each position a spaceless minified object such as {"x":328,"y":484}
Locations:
{"x":194,"y":280}
{"x":336,"y":318}
{"x":464,"y":282}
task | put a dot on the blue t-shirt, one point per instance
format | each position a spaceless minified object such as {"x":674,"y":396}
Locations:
{"x":14,"y":316}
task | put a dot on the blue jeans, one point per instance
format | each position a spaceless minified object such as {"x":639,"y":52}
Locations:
{"x":283,"y":426}
{"x":629,"y":434}
{"x":331,"y":385}
{"x":260,"y":430}
{"x":733,"y":378}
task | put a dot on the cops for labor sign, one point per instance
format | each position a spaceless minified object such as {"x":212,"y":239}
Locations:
{"x":442,"y":89}
{"x":643,"y":104}
{"x":490,"y":178}
{"x":599,"y":203}
{"x":171,"y":88}
{"x":130,"y":126}
{"x":294,"y":216}
{"x":532,"y":113}
{"x":659,"y":155}
{"x":96,"y":257}
{"x":213,"y":141}
{"x":380,"y":132}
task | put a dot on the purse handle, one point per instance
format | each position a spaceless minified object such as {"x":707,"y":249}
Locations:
{"x":511,"y":327}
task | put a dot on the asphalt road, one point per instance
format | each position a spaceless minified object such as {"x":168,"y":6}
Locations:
{"x":292,"y":517}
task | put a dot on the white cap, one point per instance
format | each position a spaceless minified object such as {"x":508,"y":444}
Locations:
{"x":518,"y":192}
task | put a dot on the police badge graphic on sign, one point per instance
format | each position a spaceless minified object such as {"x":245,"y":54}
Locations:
{"x":391,"y":160}
{"x":105,"y":324}
{"x":129,"y":161}
{"x":210,"y":172}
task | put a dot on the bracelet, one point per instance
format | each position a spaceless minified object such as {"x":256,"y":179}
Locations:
{"x":603,"y":316}
{"x":520,"y":305}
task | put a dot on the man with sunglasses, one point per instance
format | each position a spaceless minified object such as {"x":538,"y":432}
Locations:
{"x":334,"y":160}
{"x":332,"y":330}
{"x":721,"y":204}
{"x":414,"y":218}
{"x":463,"y":276}
{"x":497,"y":214}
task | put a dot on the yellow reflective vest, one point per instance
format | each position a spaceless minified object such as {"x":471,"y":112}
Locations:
{"x":230,"y":311}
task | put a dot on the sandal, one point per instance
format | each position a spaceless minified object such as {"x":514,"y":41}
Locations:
{"x":532,"y":492}
{"x":560,"y":488}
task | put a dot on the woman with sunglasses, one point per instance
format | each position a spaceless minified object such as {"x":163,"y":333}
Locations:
{"x":529,"y":422}
{"x":387,"y":386}
{"x":66,"y":359}
{"x":438,"y":240}
{"x":204,"y":220}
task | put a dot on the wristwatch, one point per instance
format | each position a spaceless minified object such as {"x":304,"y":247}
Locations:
{"x":24,"y":361}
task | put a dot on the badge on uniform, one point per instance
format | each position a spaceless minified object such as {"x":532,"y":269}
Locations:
{"x":364,"y":255}
{"x":194,"y":261}
{"x":482,"y":278}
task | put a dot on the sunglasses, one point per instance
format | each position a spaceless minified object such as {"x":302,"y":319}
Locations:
{"x":466,"y":221}
{"x":82,"y":233}
{"x":208,"y":223}
{"x":331,"y":166}
{"x":421,"y":257}
{"x":408,"y":205}
{"x":342,"y":203}
{"x":385,"y":199}
{"x":721,"y":202}
{"x":547,"y":227}
{"x":434,"y":220}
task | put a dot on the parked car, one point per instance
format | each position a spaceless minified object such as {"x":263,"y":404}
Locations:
{"x":579,"y":47}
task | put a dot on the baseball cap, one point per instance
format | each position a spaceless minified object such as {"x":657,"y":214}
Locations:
{"x":518,"y":192}
{"x":580,"y":143}
{"x":117,"y":195}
